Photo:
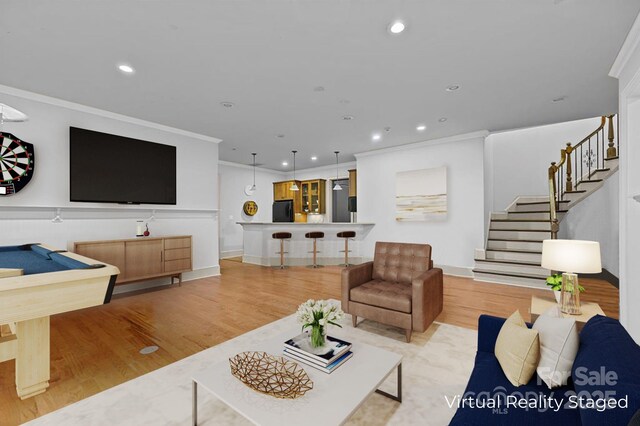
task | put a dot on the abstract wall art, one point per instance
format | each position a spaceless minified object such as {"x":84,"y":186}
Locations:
{"x":421,"y":195}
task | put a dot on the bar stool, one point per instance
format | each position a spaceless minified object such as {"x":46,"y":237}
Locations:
{"x":346,"y":235}
{"x":315,"y":236}
{"x":281,"y":236}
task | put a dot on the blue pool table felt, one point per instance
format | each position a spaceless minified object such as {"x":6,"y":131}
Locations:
{"x":35,"y":259}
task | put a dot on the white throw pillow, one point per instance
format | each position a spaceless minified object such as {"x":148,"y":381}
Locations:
{"x":559,"y":344}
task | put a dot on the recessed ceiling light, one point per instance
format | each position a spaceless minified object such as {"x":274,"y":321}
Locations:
{"x":127,"y":69}
{"x":227,"y":104}
{"x":314,"y":158}
{"x":284,"y":163}
{"x":560,"y":99}
{"x":280,"y":135}
{"x":442,"y":120}
{"x":376,"y":136}
{"x":396,"y":27}
{"x":318,"y":89}
{"x":453,"y":87}
{"x":421,"y":128}
{"x":348,"y":117}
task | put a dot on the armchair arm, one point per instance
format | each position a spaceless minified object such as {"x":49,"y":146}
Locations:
{"x":426,"y":298}
{"x":354,"y":276}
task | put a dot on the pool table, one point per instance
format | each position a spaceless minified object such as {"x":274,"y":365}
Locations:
{"x":36,"y":282}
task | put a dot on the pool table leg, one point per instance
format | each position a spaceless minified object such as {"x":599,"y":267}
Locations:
{"x":32,"y":357}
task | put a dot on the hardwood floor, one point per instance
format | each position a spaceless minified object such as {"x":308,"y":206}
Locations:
{"x":97,"y":348}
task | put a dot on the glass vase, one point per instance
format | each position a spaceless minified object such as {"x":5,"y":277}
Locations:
{"x":317,"y":337}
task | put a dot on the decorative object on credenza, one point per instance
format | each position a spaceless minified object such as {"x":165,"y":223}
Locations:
{"x":571,"y":257}
{"x":139,"y":228}
{"x":271,"y":375}
{"x":146,"y":232}
{"x":554,"y":281}
{"x":421,"y":195}
{"x":17,"y":163}
{"x":318,"y":315}
{"x":250,"y":208}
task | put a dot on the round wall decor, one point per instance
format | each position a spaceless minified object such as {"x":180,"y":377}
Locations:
{"x":16,"y":164}
{"x":250,"y":208}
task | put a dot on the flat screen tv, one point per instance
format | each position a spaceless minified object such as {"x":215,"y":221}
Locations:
{"x":107,"y":168}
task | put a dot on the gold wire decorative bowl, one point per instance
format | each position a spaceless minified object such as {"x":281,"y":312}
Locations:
{"x":271,"y":375}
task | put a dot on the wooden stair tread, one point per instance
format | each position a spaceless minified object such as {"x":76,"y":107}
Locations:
{"x":521,"y":230}
{"x":515,"y":250}
{"x":510,"y":262}
{"x":521,"y":220}
{"x":589,"y":181}
{"x":507,"y":274}
{"x":580,"y":191}
{"x":540,"y":202}
{"x":611,"y":158}
{"x":515,"y":241}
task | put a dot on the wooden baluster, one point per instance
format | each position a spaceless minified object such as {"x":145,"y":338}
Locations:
{"x":611,"y":150}
{"x":553,"y":201}
{"x":568,"y":150}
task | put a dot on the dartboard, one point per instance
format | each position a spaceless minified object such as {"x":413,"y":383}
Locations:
{"x":16,"y":163}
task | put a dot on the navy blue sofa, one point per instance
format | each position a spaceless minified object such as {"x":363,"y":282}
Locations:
{"x":607,"y":369}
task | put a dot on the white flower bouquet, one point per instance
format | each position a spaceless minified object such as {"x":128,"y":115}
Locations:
{"x":318,"y":315}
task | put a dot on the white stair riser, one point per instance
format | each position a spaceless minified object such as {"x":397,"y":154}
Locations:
{"x":524,"y":216}
{"x":519,"y":235}
{"x":513,"y":268}
{"x":524,"y":226}
{"x":501,"y":279}
{"x":513,"y":256}
{"x":514,"y":245}
{"x":531,"y":207}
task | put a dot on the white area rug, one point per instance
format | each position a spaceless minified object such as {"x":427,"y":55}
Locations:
{"x":435,"y":364}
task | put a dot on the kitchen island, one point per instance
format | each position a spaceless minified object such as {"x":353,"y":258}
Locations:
{"x":260,"y":248}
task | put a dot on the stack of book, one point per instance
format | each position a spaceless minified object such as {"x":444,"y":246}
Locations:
{"x":326,"y":359}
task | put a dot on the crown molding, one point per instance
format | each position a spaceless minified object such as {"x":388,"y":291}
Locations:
{"x":19,"y":93}
{"x":248,"y":167}
{"x":450,"y":139}
{"x":626,"y":51}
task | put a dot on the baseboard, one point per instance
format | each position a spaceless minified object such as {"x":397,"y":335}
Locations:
{"x":456,"y":271}
{"x":211,"y":271}
{"x":230,"y":253}
{"x":605,"y":275}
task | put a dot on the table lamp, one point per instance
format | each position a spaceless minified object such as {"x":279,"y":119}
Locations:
{"x":571,"y":257}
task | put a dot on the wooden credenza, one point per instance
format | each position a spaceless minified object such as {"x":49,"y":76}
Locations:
{"x":142,"y":258}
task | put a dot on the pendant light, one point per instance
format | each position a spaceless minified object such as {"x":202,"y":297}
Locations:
{"x":294,"y":187}
{"x":253,"y":187}
{"x":337,"y":186}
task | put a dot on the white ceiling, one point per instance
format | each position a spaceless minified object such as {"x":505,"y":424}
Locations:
{"x":511,"y":57}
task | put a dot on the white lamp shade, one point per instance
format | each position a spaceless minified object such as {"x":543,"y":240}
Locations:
{"x":574,"y":256}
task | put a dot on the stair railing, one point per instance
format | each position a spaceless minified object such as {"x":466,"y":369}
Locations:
{"x":567,"y":175}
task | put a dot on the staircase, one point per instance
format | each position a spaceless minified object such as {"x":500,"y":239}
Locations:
{"x":513,"y":250}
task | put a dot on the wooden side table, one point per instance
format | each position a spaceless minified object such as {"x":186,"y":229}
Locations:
{"x":589,"y":309}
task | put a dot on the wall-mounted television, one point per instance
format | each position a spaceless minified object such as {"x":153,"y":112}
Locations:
{"x":107,"y":168}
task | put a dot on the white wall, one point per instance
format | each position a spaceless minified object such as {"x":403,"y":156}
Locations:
{"x":233,"y":180}
{"x":517,"y":161}
{"x":626,"y":68}
{"x":453,"y":239}
{"x":26,"y":216}
{"x":596,"y":218}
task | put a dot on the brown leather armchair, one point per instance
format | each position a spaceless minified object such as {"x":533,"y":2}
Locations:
{"x":400,"y":287}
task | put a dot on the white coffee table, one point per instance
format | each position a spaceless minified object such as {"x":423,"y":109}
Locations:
{"x":333,"y":399}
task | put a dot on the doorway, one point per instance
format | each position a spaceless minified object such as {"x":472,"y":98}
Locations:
{"x":340,"y":202}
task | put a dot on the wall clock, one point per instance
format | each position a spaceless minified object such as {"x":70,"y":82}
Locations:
{"x":250,"y":208}
{"x":16,"y":164}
